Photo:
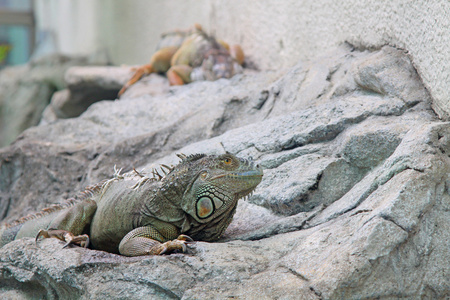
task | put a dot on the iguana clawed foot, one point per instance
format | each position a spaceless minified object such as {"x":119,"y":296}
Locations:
{"x":135,"y":216}
{"x":178,"y":244}
{"x":65,"y":236}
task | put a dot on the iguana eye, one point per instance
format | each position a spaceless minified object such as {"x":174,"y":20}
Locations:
{"x":227,"y":161}
{"x":205,"y":207}
{"x":204,"y":174}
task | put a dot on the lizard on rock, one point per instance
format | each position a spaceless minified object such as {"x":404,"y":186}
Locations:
{"x":191,"y":55}
{"x":134,"y":215}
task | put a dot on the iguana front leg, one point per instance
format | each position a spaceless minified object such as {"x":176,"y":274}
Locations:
{"x":69,"y":225}
{"x":148,"y":241}
{"x":65,"y":236}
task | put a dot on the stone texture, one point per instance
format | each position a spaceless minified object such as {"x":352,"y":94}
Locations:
{"x":276,"y":34}
{"x":26,"y":90}
{"x":85,"y":86}
{"x":354,"y":203}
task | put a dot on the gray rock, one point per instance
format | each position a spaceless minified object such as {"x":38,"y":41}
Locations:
{"x":354,"y":203}
{"x":26,"y":90}
{"x":22,"y":100}
{"x":390,"y":72}
{"x":85,"y":86}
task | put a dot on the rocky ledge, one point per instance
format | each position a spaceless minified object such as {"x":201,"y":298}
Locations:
{"x":354,"y":203}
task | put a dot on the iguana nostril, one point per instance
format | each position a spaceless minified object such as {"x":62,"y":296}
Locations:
{"x":128,"y":213}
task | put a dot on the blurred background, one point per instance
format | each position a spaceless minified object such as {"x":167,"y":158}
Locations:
{"x":117,"y":31}
{"x":17,"y":31}
{"x":273,"y":34}
{"x":41,"y":39}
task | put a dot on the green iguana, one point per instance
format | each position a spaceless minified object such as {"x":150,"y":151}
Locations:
{"x":134,"y":215}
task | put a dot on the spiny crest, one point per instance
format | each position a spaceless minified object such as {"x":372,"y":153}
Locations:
{"x":181,"y":156}
{"x":87,"y":193}
{"x":156,"y":176}
{"x":143,"y":179}
{"x":185,"y":159}
{"x":107,"y":182}
{"x":102,"y":186}
{"x":165,"y":169}
{"x":193,"y":157}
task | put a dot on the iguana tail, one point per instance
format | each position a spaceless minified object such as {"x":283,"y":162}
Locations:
{"x":9,"y":231}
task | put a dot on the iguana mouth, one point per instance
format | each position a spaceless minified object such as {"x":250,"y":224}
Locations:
{"x":245,"y":193}
{"x":182,"y":200}
{"x":247,"y":180}
{"x":244,"y":175}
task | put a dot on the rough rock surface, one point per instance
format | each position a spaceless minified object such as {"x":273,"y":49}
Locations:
{"x":354,"y":203}
{"x":26,"y":90}
{"x":85,"y":86}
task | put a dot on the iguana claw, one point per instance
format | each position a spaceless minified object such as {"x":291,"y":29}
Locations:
{"x":178,"y":244}
{"x":183,"y":237}
{"x":80,"y":240}
{"x":65,"y":236}
{"x":141,"y":215}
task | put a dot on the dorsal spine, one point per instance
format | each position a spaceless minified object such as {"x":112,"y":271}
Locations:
{"x":87,"y":193}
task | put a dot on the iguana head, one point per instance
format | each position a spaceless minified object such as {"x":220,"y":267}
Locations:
{"x":216,"y":183}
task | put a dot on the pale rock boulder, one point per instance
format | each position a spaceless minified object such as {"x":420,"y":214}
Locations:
{"x":354,"y":203}
{"x":26,"y":90}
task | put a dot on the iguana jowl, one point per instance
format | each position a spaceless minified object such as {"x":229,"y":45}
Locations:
{"x":133,"y":214}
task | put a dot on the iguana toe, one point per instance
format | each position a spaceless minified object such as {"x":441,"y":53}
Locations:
{"x":80,"y":240}
{"x":183,"y":237}
{"x":43,"y":233}
{"x":65,"y":236}
{"x":176,"y":245}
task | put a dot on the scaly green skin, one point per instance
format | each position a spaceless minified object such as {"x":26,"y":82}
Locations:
{"x":136,"y":215}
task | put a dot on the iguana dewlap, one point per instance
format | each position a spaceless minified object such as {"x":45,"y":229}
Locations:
{"x":133,"y":214}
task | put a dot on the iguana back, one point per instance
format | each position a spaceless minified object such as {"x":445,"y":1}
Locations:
{"x":135,"y":214}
